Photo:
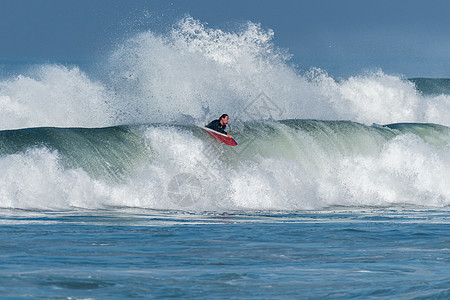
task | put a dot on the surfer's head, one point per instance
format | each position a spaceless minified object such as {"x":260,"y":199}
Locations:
{"x":223,"y":120}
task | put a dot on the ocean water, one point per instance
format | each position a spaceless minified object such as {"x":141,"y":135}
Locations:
{"x":365,"y":253}
{"x":109,"y":189}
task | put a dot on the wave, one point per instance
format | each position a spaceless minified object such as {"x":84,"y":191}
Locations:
{"x":278,"y":165}
{"x":72,"y":139}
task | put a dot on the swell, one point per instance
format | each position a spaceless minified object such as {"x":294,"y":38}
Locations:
{"x":432,"y":86}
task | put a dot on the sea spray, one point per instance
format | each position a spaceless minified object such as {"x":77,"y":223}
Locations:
{"x":193,"y":73}
{"x":54,"y":95}
{"x":200,"y":72}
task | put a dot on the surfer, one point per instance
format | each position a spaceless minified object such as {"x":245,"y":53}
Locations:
{"x":220,"y":124}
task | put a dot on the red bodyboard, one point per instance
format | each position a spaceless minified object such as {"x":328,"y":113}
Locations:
{"x":223,"y":138}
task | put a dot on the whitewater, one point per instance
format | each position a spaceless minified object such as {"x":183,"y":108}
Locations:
{"x":109,"y":188}
{"x":139,"y":130}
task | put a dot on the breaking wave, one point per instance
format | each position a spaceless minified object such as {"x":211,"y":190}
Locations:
{"x":129,"y":136}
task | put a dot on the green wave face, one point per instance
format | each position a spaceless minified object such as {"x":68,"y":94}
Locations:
{"x":109,"y":153}
{"x":114,"y":152}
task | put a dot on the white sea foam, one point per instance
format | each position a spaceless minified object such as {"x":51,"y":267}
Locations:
{"x":407,"y":171}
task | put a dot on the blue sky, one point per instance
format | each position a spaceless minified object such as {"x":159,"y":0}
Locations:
{"x":344,"y":37}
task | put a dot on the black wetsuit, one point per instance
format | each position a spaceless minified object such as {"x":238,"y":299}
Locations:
{"x":215,"y":125}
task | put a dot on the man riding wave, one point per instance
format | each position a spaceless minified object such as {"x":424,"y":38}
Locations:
{"x":220,"y":124}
